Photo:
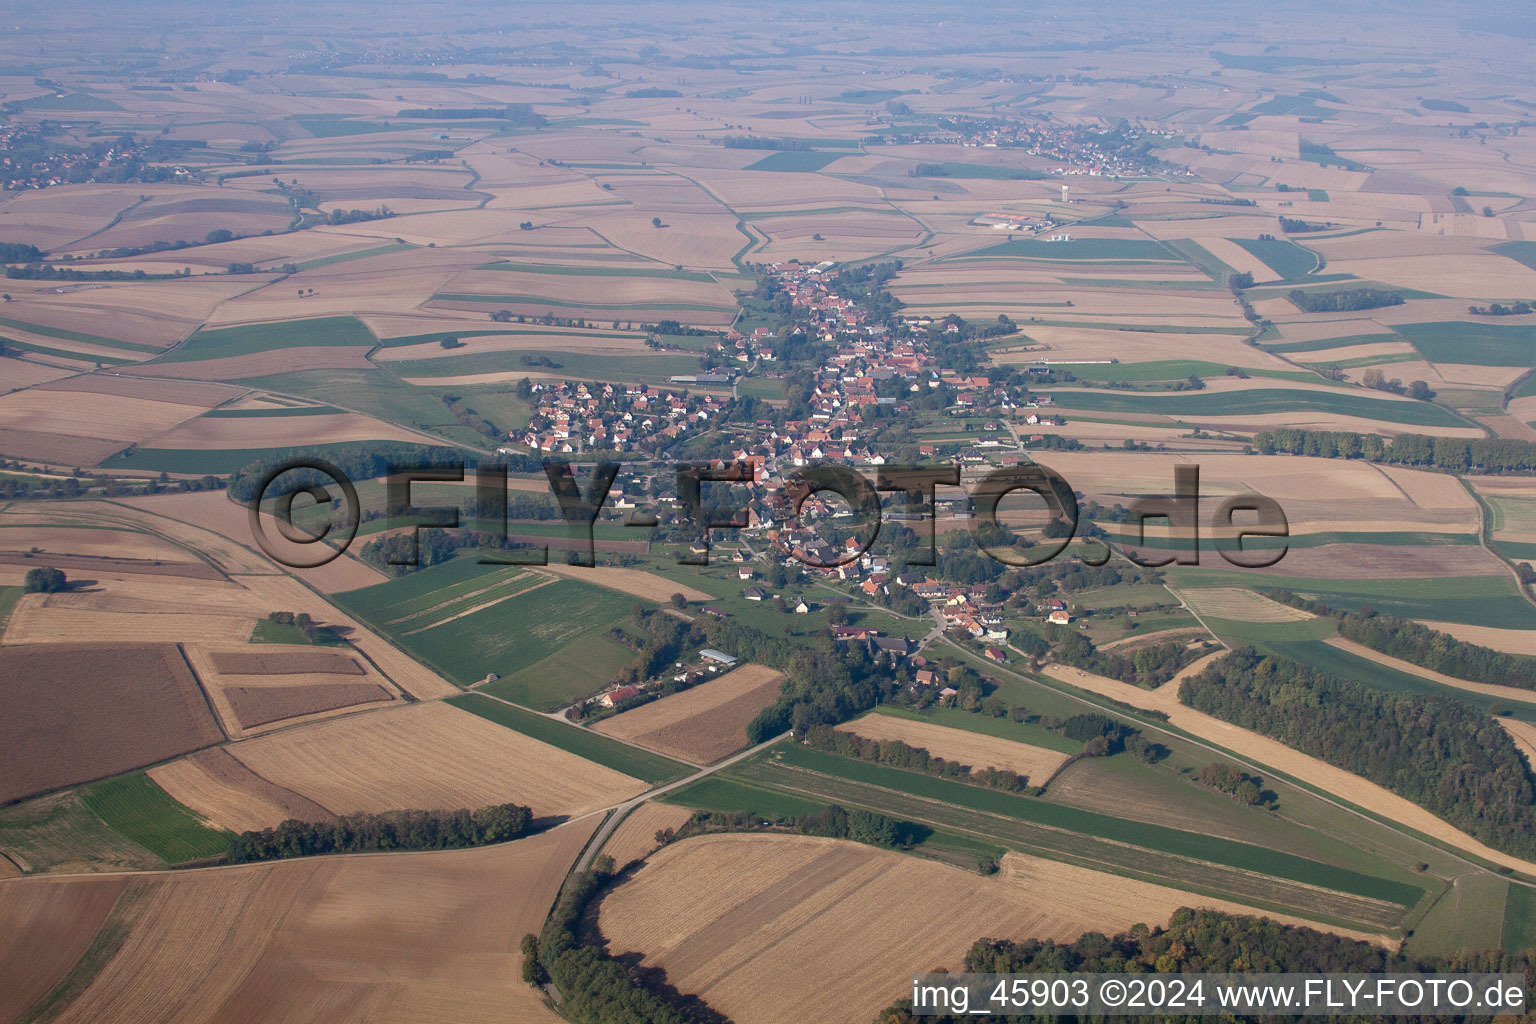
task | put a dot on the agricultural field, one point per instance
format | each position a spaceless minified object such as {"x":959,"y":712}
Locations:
{"x":471,"y":622}
{"x":789,"y":916}
{"x":704,"y":723}
{"x":968,"y":748}
{"x":246,"y":940}
{"x":429,"y":756}
{"x":80,"y":712}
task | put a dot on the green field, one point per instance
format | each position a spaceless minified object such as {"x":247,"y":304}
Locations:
{"x":436,"y":614}
{"x":90,"y":339}
{"x":381,"y":395}
{"x":1259,"y":401}
{"x":224,"y":342}
{"x":715,"y":793}
{"x":1112,"y":250}
{"x":1326,"y":658}
{"x":571,"y":672}
{"x":1468,"y":916}
{"x":1039,"y":824}
{"x":1285,"y":258}
{"x":1520,"y":919}
{"x":1328,"y":343}
{"x":56,"y":831}
{"x":137,"y":809}
{"x":1173,"y":370}
{"x":330,"y":126}
{"x":434,"y":337}
{"x":621,"y":757}
{"x":1484,"y":344}
{"x":1475,"y":600}
{"x":218,"y":461}
{"x":1520,"y":252}
{"x":795,"y":160}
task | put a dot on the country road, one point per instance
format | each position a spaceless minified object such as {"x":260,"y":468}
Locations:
{"x":619,"y":811}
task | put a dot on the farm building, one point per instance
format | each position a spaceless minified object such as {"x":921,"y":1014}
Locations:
{"x":718,"y":657}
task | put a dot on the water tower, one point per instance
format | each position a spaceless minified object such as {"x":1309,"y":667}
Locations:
{"x":1065,"y":189}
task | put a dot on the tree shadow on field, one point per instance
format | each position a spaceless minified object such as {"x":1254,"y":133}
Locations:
{"x":693,"y":1008}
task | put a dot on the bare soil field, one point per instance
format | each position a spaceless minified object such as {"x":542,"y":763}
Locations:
{"x":384,"y":939}
{"x":636,"y":582}
{"x":284,"y":662}
{"x":429,"y":756}
{"x":90,"y":564}
{"x":203,"y":395}
{"x":702,"y":724}
{"x":1261,"y":751}
{"x":22,"y":533}
{"x":24,"y":373}
{"x":48,"y":925}
{"x":255,"y":706}
{"x":968,"y":748}
{"x":219,"y":529}
{"x":59,"y":449}
{"x":635,"y":838}
{"x":1239,"y":604}
{"x":1387,"y":561}
{"x":110,"y":417}
{"x":228,"y":794}
{"x":730,"y":917}
{"x":77,"y":712}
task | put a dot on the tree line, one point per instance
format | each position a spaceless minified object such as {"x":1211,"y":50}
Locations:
{"x":392,"y":830}
{"x":897,"y":754}
{"x":1460,"y":455}
{"x":595,"y":988}
{"x":1416,"y":643}
{"x":1196,"y":941}
{"x":1445,"y":756}
{"x":1145,"y":666}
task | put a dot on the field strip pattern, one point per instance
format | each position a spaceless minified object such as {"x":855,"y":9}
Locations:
{"x":1238,"y":883}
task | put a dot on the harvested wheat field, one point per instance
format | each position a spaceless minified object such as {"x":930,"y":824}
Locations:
{"x":110,"y":612}
{"x":731,"y":917}
{"x":1238,"y":604}
{"x":635,"y":838}
{"x":636,"y":582}
{"x":227,"y":793}
{"x":429,"y":756}
{"x":1259,"y":751}
{"x":1510,"y":641}
{"x":385,"y":939}
{"x":48,"y":925}
{"x":968,"y":748}
{"x":77,"y":712}
{"x":1524,"y":735}
{"x":701,"y":724}
{"x":284,"y":662}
